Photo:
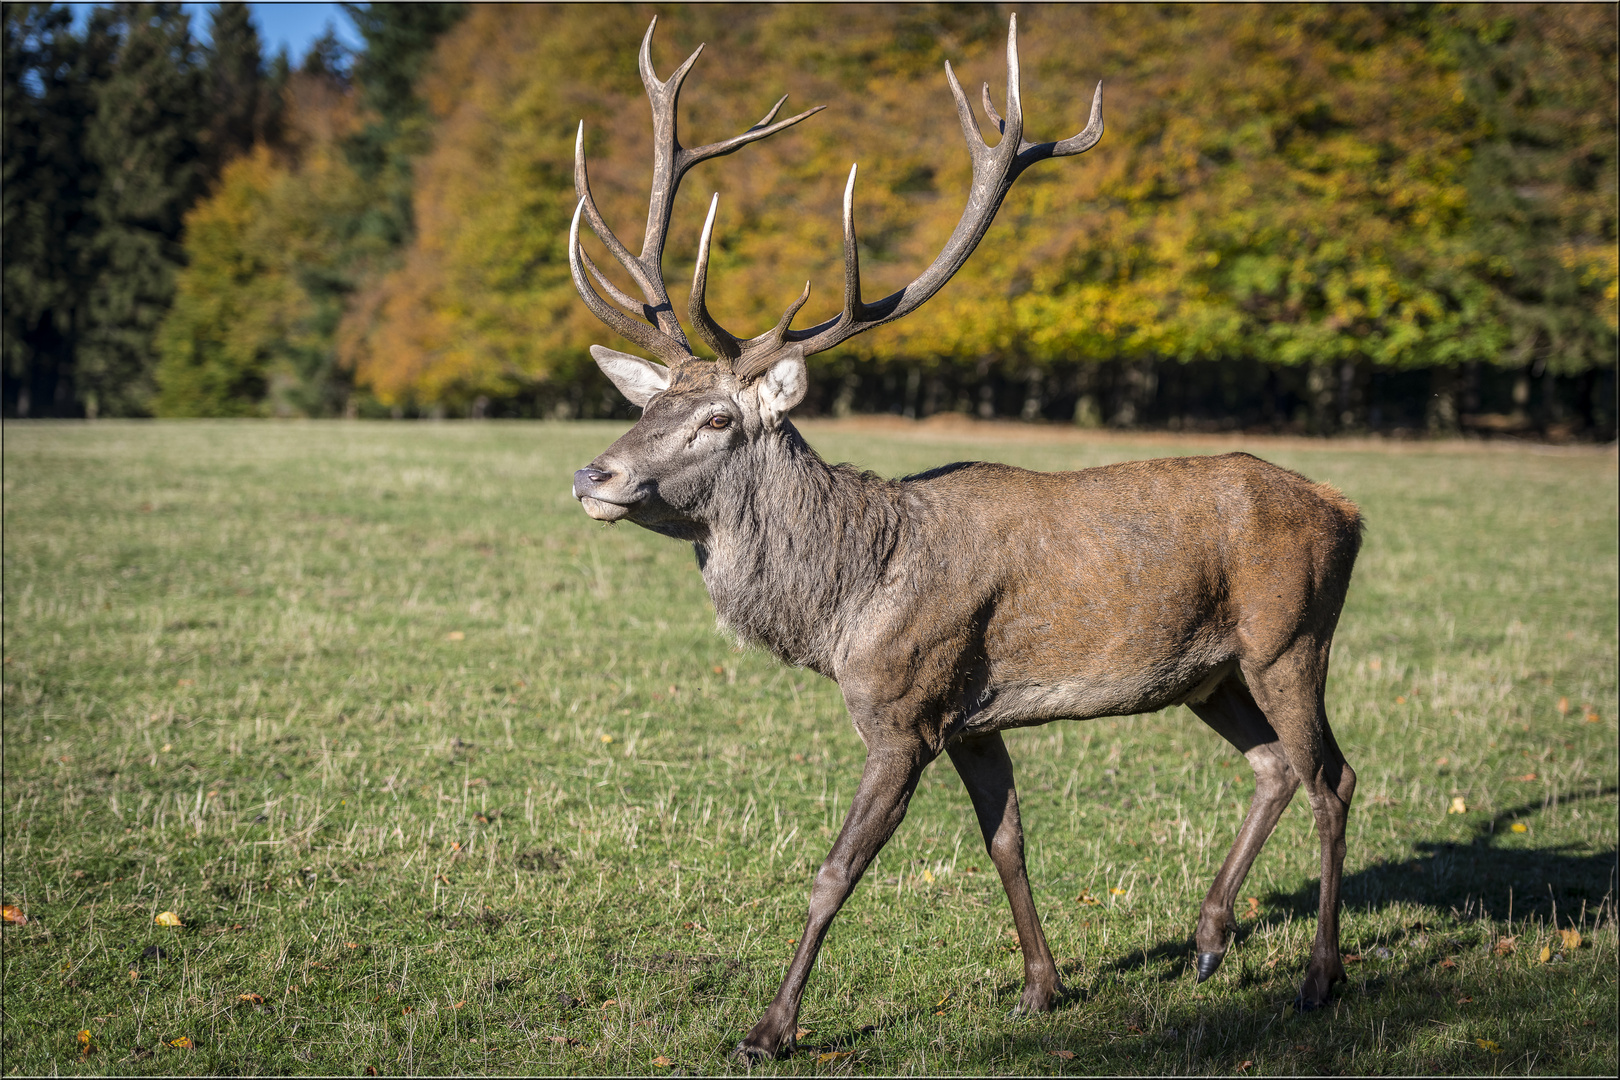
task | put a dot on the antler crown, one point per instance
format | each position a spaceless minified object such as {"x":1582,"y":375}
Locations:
{"x":995,"y":168}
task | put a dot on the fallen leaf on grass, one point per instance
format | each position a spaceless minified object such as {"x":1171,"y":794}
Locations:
{"x":606,"y":739}
{"x":455,"y":635}
{"x":1458,"y":805}
{"x":1465,"y":1001}
{"x":371,"y":1070}
{"x":1254,"y":908}
{"x":1117,"y":892}
{"x":13,"y":914}
{"x":1505,"y":946}
{"x":1545,"y":954}
{"x":84,"y":1041}
{"x":459,"y":1004}
{"x":1066,"y":1055}
{"x":350,"y":945}
{"x":802,"y":1033}
{"x":1487,"y":1044}
{"x":1526,"y":778}
{"x":251,"y":999}
{"x":1563,"y":706}
{"x":182,"y":1042}
{"x":1351,"y":958}
{"x":1519,"y":826}
{"x":835,"y":1055}
{"x":662,"y":1062}
{"x":1085,"y":897}
{"x":167,"y":918}
{"x":1243,"y":1066}
{"x":1572,"y":938}
{"x":1449,"y":964}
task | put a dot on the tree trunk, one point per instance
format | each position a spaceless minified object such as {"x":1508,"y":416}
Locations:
{"x":1442,"y":410}
{"x":1034,"y":396}
{"x":1319,"y":386}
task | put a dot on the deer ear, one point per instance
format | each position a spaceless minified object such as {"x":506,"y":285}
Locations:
{"x":637,"y":379}
{"x":782,"y":387}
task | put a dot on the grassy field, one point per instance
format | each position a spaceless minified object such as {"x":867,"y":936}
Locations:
{"x":440,"y":776}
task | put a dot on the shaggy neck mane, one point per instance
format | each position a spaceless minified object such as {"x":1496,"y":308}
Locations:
{"x":796,"y":547}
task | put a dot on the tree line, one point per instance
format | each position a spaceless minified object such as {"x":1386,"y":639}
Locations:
{"x":1322,"y":218}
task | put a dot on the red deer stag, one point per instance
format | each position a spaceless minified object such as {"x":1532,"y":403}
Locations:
{"x":975,"y":597}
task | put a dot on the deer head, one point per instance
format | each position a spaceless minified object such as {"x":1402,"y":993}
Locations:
{"x":699,"y":414}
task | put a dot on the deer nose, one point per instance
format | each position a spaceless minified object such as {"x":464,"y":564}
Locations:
{"x":586,"y":480}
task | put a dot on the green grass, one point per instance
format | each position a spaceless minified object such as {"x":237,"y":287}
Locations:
{"x":421,"y":755}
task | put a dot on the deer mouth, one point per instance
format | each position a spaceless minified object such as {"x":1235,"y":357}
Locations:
{"x":602,"y":510}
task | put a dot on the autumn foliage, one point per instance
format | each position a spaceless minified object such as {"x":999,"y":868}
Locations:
{"x":1337,"y":190}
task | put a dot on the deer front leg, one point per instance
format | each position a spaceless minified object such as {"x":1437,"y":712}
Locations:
{"x":887,"y":783}
{"x":986,"y":770}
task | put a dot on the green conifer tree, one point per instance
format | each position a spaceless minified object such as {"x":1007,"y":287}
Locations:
{"x":47,"y":186}
{"x":244,"y":96}
{"x":145,"y":139}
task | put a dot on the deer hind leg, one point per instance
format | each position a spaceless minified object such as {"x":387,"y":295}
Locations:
{"x":1290,"y":691}
{"x":1232,"y":712}
{"x":1238,"y":719}
{"x":986,"y":770}
{"x":879,"y":805}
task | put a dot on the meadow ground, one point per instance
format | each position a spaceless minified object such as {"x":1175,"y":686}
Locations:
{"x":440,"y":776}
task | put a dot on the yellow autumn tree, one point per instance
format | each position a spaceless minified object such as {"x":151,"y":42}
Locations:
{"x":251,"y":329}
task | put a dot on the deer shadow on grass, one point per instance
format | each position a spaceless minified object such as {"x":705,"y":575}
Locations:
{"x":1476,"y":878}
{"x":1481,"y":878}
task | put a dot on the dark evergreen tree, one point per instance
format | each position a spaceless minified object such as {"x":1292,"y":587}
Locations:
{"x":146,"y":140}
{"x":399,"y":40}
{"x":47,"y":223}
{"x":244,"y":97}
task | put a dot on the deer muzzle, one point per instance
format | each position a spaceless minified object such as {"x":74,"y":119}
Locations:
{"x":595,"y":490}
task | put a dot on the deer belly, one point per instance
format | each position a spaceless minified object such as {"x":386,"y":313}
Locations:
{"x":1087,"y":695}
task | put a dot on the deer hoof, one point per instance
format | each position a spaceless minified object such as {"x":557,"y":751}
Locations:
{"x":748,"y":1054}
{"x":1036,"y":1000}
{"x":1209,"y":963}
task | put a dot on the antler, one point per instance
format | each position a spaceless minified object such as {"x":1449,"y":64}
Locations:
{"x":661,"y":334}
{"x":994,"y":171}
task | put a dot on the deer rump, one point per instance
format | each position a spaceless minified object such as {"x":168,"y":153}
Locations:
{"x":977,"y":597}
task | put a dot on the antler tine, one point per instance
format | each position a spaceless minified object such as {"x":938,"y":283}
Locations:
{"x":649,"y":337}
{"x":853,"y":308}
{"x":716,"y":336}
{"x":995,"y":168}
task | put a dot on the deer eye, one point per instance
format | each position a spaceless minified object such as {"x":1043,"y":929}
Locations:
{"x":720,"y":422}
